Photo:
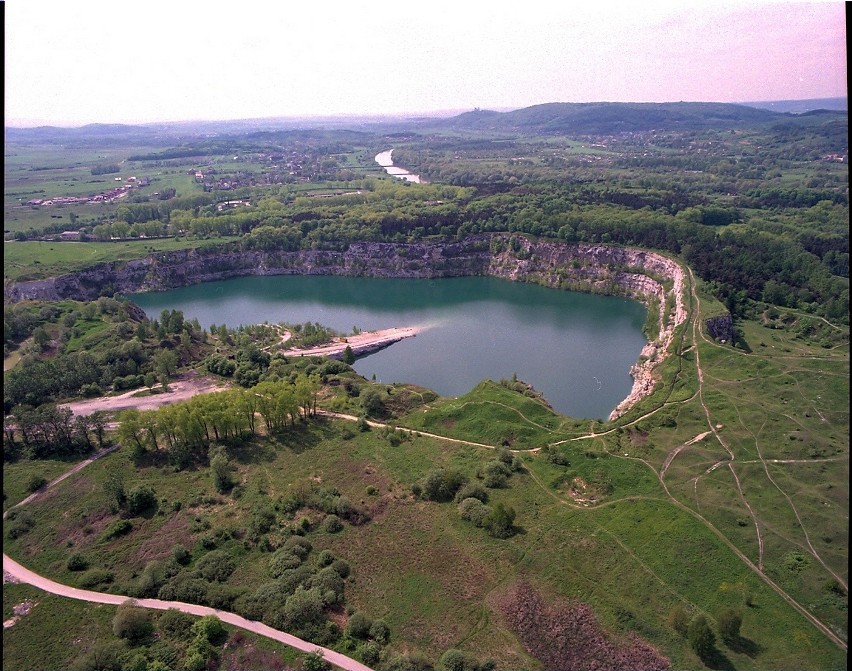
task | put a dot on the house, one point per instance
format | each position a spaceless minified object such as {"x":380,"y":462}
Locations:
{"x":69,"y":235}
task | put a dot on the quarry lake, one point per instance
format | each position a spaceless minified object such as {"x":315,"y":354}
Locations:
{"x":576,"y":349}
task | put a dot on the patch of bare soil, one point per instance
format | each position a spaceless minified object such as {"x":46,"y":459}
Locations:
{"x":182,"y":388}
{"x":240,"y":654}
{"x":160,"y":545}
{"x":19,"y":611}
{"x":565,"y":636}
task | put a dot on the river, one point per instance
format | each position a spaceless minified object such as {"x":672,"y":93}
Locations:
{"x":385,"y":160}
{"x":577,"y":349}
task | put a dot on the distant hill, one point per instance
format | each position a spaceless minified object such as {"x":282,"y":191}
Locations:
{"x":803,"y":106}
{"x":608,"y":117}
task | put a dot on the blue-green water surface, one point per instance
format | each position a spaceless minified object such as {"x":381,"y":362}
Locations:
{"x":577,"y":349}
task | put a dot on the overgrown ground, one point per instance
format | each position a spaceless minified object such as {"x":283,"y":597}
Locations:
{"x":727,"y":489}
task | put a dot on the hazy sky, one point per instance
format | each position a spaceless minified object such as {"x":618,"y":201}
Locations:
{"x":71,"y":63}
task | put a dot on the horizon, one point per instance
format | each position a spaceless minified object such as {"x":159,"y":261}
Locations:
{"x":74,"y":64}
{"x":426,"y":114}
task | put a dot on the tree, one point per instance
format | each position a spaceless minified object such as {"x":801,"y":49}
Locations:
{"x":221,"y":469}
{"x":348,"y":356}
{"x":165,"y":363}
{"x":114,"y":489}
{"x":729,"y":621}
{"x":701,"y":637}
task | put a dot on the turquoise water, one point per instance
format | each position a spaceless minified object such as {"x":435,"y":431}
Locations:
{"x":577,"y":349}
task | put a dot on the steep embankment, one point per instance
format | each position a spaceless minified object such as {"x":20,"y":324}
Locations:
{"x":647,"y":276}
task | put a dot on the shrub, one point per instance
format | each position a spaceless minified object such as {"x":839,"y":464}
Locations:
{"x":175,"y":624}
{"x":298,"y":546}
{"x":77,"y":562}
{"x":358,"y":626}
{"x":116,"y":529}
{"x":314,"y":661}
{"x":325,"y":558}
{"x":35,"y":483}
{"x":216,"y":566}
{"x":380,"y":632}
{"x":501,"y":521}
{"x":679,"y":619}
{"x":281,"y":561}
{"x":474,"y":510}
{"x":21,"y":522}
{"x":332,"y":524}
{"x":209,"y":628}
{"x":141,"y":499}
{"x":94,"y":577}
{"x":442,"y":484}
{"x":181,"y":555}
{"x":341,"y":566}
{"x":131,"y":622}
{"x":472,"y":490}
{"x":495,"y":474}
{"x":369,"y":653}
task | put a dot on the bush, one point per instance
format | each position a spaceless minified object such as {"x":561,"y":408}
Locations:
{"x":298,"y":546}
{"x":175,"y":624}
{"x":358,"y":626}
{"x":442,"y":484}
{"x":77,"y":562}
{"x":325,"y":558}
{"x":472,"y":490}
{"x":679,"y":619}
{"x":341,"y":566}
{"x":281,"y":561}
{"x":332,"y":524}
{"x":474,"y":510}
{"x":216,"y":566}
{"x":380,"y":632}
{"x":181,"y":555}
{"x":21,"y":522}
{"x":94,"y":577}
{"x":495,"y":474}
{"x":209,"y":628}
{"x":141,"y":499}
{"x":35,"y":483}
{"x":131,"y":623}
{"x":501,"y":522}
{"x":116,"y":529}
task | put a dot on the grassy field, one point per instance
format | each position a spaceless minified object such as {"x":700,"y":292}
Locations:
{"x":39,"y":260}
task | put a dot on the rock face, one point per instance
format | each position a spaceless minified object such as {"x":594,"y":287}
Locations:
{"x":720,"y":328}
{"x":647,"y":276}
